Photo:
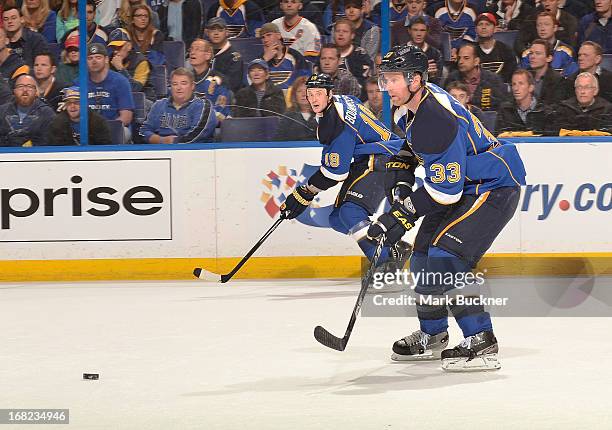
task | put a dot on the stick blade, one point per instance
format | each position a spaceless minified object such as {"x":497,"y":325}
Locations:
{"x":205,"y":275}
{"x":329,"y":340}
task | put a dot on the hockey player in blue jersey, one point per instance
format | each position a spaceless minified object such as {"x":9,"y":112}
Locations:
{"x":356,"y":147}
{"x":470,"y":192}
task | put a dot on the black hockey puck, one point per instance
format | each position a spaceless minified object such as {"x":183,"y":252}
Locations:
{"x":92,"y":376}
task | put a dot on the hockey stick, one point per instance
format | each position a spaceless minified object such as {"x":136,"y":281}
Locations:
{"x":329,"y":340}
{"x":213,"y":277}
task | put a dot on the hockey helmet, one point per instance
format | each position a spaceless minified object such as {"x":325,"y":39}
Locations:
{"x":320,"y":80}
{"x":407,"y":59}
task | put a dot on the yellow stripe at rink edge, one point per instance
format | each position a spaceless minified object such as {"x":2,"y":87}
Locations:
{"x":586,"y":264}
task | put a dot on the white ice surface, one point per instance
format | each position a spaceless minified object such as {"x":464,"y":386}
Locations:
{"x":192,"y":355}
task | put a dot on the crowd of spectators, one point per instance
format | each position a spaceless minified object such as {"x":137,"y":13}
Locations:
{"x":523,"y":67}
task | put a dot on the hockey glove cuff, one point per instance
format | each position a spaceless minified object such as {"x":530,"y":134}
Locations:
{"x":394,"y":223}
{"x":400,"y":175}
{"x":296,"y":202}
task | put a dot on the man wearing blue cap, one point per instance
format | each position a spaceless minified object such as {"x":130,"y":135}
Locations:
{"x":262,"y":97}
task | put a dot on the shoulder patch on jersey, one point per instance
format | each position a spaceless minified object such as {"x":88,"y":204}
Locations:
{"x":569,"y":51}
{"x":434,"y":128}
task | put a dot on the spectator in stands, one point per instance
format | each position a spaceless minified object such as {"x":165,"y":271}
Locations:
{"x":549,"y":86}
{"x":589,"y":60}
{"x":418,"y":35}
{"x":130,"y":63}
{"x":106,"y":12}
{"x":495,"y":56}
{"x":285,"y":64}
{"x":49,"y":88}
{"x":110,"y":93}
{"x":208,"y":83}
{"x":597,"y":26}
{"x":299,"y":121}
{"x":181,"y":118}
{"x":585,"y":111}
{"x":367,"y":34}
{"x":344,"y":82}
{"x":145,"y":37}
{"x":95,"y":33}
{"x":68,"y":70}
{"x":486,"y":89}
{"x":310,"y":10}
{"x":460,"y":91}
{"x":375,"y":98}
{"x":524,"y":112}
{"x":563,"y":55}
{"x":67,"y":19}
{"x":39,"y":18}
{"x":125,"y":15}
{"x":65,"y":128}
{"x":399,"y":10}
{"x":510,"y":14}
{"x":262,"y":97}
{"x":181,"y":20}
{"x":11,"y":64}
{"x":23,"y":41}
{"x":400,"y":34}
{"x":333,"y":11}
{"x":353,"y":58}
{"x":24,"y":121}
{"x":458,"y":19}
{"x":566,"y":30}
{"x":298,"y":32}
{"x":243,"y":17}
{"x":227,"y":60}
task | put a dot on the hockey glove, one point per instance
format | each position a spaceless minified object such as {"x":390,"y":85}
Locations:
{"x":296,"y":202}
{"x":393,"y":224}
{"x":400,"y":175}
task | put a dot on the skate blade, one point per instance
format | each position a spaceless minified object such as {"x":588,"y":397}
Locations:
{"x":427,"y":356}
{"x":478,"y":364}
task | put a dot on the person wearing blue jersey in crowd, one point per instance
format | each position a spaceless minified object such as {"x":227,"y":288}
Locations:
{"x":243,"y":17}
{"x":286,"y":64}
{"x":562,"y":54}
{"x":470,"y":192}
{"x":182,"y":117}
{"x":356,"y":146}
{"x":458,"y":19}
{"x":110,"y":93}
{"x":208,"y":83}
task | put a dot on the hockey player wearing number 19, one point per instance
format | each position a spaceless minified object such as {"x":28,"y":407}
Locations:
{"x":356,"y":146}
{"x":470,"y":192}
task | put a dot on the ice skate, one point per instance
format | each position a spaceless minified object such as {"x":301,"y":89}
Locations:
{"x":419,"y":346}
{"x":474,"y":353}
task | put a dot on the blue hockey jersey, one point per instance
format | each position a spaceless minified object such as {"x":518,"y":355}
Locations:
{"x":193,"y":122}
{"x":563,"y":59}
{"x":459,"y":24}
{"x":243,"y":18}
{"x":350,"y":131}
{"x":459,"y":154}
{"x":211,"y":86}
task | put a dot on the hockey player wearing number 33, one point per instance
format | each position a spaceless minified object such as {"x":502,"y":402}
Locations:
{"x":470,"y":192}
{"x":356,"y":147}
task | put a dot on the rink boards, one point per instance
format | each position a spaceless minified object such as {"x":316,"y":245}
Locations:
{"x":155,"y":213}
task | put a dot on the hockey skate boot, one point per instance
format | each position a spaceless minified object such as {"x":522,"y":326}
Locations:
{"x":474,"y":353}
{"x":420,"y":346}
{"x":400,"y":252}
